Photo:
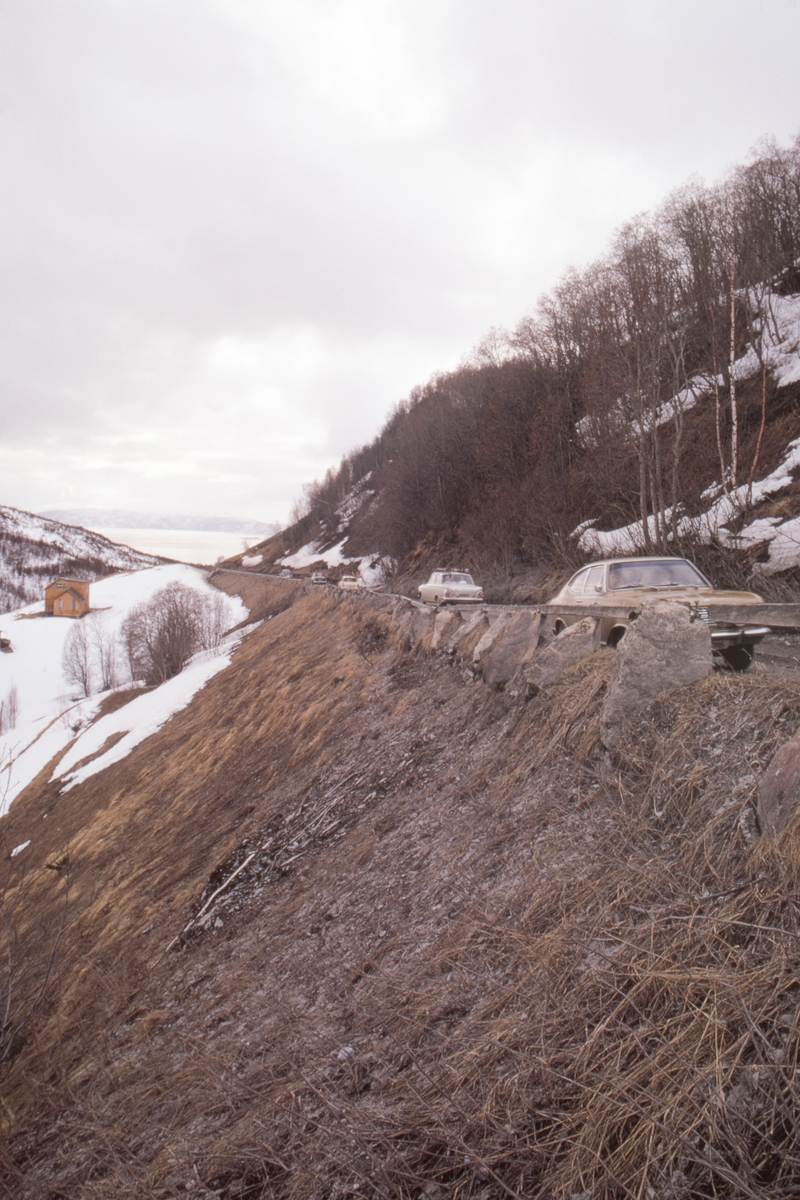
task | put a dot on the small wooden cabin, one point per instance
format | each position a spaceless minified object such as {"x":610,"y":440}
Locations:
{"x":66,"y":598}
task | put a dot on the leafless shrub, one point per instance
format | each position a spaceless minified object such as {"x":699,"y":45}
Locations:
{"x":782,"y":588}
{"x":214,"y":614}
{"x":160,"y":636}
{"x":9,"y":710}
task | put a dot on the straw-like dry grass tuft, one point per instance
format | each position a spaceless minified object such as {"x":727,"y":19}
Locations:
{"x":435,"y":940}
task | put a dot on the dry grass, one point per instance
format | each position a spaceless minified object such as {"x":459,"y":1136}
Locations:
{"x":473,"y":956}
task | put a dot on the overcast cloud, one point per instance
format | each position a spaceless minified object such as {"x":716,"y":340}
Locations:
{"x":236,"y":232}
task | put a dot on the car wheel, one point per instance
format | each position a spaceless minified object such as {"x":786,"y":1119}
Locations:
{"x":738,"y":657}
{"x":559,"y":627}
{"x":616,"y":636}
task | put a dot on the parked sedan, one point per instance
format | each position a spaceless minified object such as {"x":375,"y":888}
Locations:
{"x":349,"y":583}
{"x":450,"y":587}
{"x":624,"y":582}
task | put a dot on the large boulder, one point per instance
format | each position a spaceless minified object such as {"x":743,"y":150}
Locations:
{"x":445,"y":623}
{"x":515,"y":647}
{"x":779,"y":788}
{"x":463,"y":641}
{"x":417,"y":620}
{"x":496,"y":628}
{"x":665,"y":648}
{"x":574,"y":643}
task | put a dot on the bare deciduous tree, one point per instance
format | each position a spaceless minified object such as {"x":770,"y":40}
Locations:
{"x":77,"y":660}
{"x":103,"y":644}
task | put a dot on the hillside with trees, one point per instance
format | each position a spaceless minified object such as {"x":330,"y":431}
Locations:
{"x":661,"y":374}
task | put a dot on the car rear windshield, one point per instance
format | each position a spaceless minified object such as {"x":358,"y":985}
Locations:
{"x":667,"y":572}
{"x":456,"y":577}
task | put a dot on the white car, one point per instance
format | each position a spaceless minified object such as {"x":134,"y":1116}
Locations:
{"x":348,"y":582}
{"x":451,"y":587}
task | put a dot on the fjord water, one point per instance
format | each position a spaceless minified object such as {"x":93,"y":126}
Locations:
{"x":184,"y":545}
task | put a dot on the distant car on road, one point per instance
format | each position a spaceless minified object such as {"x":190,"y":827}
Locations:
{"x":450,"y":587}
{"x":286,"y":574}
{"x":318,"y":579}
{"x":624,"y":582}
{"x":348,"y":582}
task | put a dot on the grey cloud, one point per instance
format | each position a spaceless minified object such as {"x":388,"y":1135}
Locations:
{"x":232,"y":224}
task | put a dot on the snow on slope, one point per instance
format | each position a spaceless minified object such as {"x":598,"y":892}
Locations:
{"x":49,"y":720}
{"x":781,"y":354}
{"x":783,"y":536}
{"x":35,"y":550}
{"x":372,"y":569}
{"x":781,"y":351}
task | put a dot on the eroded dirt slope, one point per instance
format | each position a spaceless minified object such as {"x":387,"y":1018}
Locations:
{"x":470,"y":955}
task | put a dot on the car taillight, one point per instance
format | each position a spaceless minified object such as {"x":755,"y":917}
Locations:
{"x":448,"y":592}
{"x":480,"y":593}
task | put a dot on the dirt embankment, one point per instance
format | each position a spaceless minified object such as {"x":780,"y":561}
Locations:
{"x":472,"y":954}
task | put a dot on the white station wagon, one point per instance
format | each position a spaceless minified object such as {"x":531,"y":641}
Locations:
{"x":450,"y":587}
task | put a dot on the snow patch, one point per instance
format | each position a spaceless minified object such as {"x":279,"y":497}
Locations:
{"x":49,"y":719}
{"x":138,"y":719}
{"x":311,"y":553}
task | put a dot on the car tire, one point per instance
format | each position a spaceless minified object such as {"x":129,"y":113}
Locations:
{"x":616,"y":635}
{"x":559,"y":627}
{"x":738,"y":657}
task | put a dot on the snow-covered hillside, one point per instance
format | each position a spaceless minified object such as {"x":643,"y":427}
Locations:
{"x":725,"y":518}
{"x":47,"y":718}
{"x":371,"y":569}
{"x":35,"y":550}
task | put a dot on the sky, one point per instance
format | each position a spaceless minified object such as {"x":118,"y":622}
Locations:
{"x":235,"y":233}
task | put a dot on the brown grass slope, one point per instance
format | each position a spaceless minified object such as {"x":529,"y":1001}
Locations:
{"x":472,"y":956}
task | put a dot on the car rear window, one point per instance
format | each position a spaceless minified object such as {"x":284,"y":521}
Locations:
{"x":668,"y":572}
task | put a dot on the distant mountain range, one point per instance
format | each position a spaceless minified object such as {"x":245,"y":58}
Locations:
{"x":120,"y":518}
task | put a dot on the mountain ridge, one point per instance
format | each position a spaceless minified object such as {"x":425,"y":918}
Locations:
{"x":117,"y":518}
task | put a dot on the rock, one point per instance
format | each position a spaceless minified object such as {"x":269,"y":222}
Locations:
{"x":662,"y":650}
{"x":445,"y":623}
{"x":779,"y":788}
{"x":462,"y":644}
{"x":420,"y":620}
{"x":512,"y":650}
{"x":572,"y":644}
{"x":495,"y":630}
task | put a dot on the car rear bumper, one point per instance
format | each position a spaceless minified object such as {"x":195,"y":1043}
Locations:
{"x":750,"y":635}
